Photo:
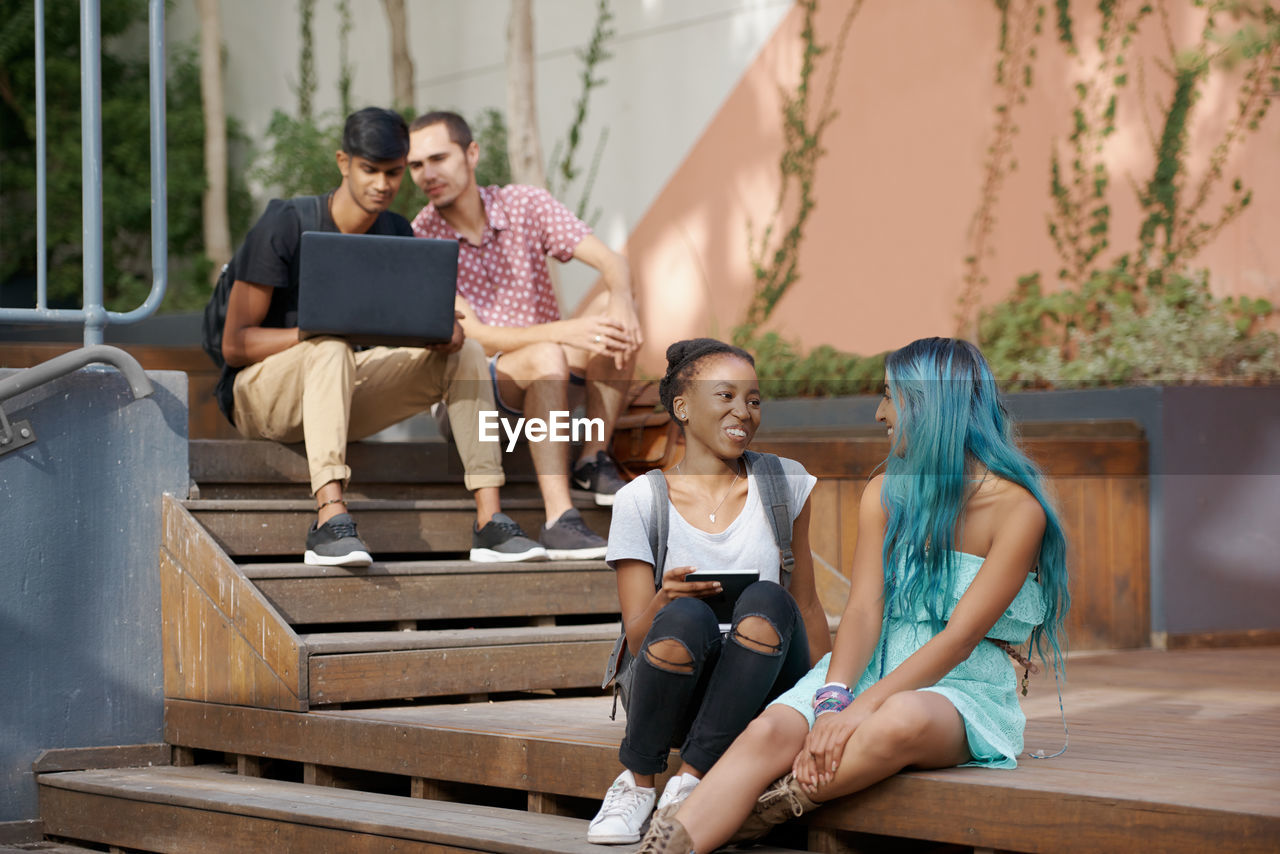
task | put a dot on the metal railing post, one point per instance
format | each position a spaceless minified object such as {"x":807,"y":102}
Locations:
{"x":42,"y":202}
{"x":159,"y":173}
{"x":95,"y":316}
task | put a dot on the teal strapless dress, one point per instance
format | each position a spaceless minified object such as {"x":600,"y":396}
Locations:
{"x":983,"y":687}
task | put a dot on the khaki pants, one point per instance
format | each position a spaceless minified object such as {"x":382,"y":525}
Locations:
{"x":323,"y":393}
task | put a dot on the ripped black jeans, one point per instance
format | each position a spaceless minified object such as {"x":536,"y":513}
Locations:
{"x":703,"y":698}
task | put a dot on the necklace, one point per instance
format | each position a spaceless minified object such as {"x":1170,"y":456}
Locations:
{"x":716,"y":509}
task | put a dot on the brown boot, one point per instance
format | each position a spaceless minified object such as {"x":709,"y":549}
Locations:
{"x":666,"y":836}
{"x":782,"y":801}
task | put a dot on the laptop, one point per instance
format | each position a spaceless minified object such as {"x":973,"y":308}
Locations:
{"x":377,"y":289}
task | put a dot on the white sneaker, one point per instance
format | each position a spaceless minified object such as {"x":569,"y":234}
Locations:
{"x":624,"y":811}
{"x":678,"y":788}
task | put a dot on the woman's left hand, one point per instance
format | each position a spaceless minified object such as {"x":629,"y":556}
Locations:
{"x":824,"y":746}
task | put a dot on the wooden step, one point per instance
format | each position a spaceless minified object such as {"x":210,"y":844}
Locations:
{"x":348,"y":667}
{"x":434,"y":590}
{"x":247,"y":527}
{"x":555,"y":746}
{"x":230,"y":461}
{"x":208,"y":809}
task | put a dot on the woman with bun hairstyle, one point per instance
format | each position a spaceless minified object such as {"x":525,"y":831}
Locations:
{"x":693,"y":682}
{"x":959,"y":556}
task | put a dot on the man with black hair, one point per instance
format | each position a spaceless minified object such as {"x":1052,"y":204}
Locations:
{"x":539,"y":363}
{"x":324,"y":392}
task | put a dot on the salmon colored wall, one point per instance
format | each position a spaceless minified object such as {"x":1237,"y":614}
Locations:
{"x":882,"y":261}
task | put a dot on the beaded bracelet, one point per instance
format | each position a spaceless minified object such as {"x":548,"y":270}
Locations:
{"x":831,"y":698}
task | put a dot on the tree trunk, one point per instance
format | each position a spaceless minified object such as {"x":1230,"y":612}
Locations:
{"x":401,"y":61}
{"x":523,"y":149}
{"x":217,"y":232}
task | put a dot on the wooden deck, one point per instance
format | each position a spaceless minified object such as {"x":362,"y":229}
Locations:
{"x":1169,"y":751}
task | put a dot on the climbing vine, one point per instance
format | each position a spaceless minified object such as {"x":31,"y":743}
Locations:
{"x":564,"y":170}
{"x":1080,"y":217}
{"x":775,"y":263}
{"x":1173,"y":232}
{"x":1019,"y":28}
{"x":1145,"y":316}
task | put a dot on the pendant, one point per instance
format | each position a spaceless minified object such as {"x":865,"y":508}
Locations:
{"x":712,"y":516}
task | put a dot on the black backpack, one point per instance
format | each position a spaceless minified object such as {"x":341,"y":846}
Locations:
{"x":215,"y":311}
{"x":775,"y":495}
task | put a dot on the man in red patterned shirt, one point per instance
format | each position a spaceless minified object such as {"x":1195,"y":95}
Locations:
{"x":508,"y":305}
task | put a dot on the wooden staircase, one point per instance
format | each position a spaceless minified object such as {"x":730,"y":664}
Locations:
{"x":305,"y":703}
{"x":291,"y":636}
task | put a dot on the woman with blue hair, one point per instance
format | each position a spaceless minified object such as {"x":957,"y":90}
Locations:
{"x":960,"y":557}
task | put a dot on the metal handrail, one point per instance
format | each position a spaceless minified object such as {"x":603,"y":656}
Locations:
{"x":60,"y":366}
{"x":93,"y":314}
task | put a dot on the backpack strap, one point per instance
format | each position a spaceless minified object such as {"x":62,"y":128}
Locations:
{"x":661,"y":522}
{"x":310,"y":210}
{"x":619,"y":655}
{"x":775,"y":497}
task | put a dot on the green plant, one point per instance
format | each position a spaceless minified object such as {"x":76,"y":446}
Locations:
{"x":1102,"y":334}
{"x":298,"y":159}
{"x":822,"y":372}
{"x":490,"y":132}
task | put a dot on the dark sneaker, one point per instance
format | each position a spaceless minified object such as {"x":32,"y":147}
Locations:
{"x":599,"y":477}
{"x":570,"y":539}
{"x":335,"y":543}
{"x":502,"y":541}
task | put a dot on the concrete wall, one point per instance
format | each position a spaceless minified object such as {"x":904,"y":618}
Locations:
{"x":882,"y":261}
{"x":1221,"y":498}
{"x":80,"y":658}
{"x":673,"y":64}
{"x":693,"y":110}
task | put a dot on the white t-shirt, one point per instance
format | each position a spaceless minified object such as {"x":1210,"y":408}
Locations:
{"x":746,"y":546}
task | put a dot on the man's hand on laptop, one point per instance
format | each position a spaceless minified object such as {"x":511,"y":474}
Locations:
{"x":454,"y":344}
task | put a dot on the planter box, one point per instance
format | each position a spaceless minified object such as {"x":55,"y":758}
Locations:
{"x":1214,"y":498}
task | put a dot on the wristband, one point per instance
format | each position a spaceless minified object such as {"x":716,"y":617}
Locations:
{"x":834,"y":684}
{"x":831,"y":698}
